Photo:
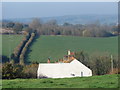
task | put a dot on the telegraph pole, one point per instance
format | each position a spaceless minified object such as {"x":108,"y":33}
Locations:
{"x":111,"y":63}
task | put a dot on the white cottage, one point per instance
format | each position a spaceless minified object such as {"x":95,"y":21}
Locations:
{"x":63,"y":70}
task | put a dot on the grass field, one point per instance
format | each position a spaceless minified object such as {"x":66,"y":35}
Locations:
{"x":9,"y":42}
{"x":105,"y":81}
{"x":56,"y":47}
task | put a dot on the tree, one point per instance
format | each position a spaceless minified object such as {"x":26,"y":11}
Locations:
{"x":7,"y":71}
{"x":67,"y":24}
{"x":17,"y":27}
{"x":10,"y":24}
{"x":30,"y":71}
{"x":35,"y":24}
{"x":102,"y":65}
{"x":10,"y":71}
{"x":4,"y":58}
{"x":52,"y":22}
{"x":82,"y":57}
{"x":28,"y":29}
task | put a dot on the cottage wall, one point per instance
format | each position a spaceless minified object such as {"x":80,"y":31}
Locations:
{"x":63,"y":70}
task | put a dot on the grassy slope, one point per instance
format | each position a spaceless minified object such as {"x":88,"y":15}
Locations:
{"x":105,"y":81}
{"x":56,"y":46}
{"x":9,"y":42}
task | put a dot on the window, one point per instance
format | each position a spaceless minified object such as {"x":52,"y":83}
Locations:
{"x":72,"y":74}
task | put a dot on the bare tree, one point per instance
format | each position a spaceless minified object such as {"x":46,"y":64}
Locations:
{"x":35,"y":24}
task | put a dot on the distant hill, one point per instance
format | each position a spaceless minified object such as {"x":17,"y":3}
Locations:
{"x":73,"y":19}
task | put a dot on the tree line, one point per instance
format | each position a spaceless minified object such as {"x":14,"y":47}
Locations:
{"x":24,"y":50}
{"x":19,"y":53}
{"x":52,"y":28}
{"x":100,"y":64}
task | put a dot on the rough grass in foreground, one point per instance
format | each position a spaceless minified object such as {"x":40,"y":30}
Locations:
{"x":105,"y":81}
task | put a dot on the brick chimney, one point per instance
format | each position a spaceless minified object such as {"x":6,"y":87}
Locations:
{"x":68,"y":52}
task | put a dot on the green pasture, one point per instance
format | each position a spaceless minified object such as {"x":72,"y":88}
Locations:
{"x":9,"y":42}
{"x":55,"y":47}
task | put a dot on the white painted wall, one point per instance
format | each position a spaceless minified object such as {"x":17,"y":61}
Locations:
{"x":62,"y":70}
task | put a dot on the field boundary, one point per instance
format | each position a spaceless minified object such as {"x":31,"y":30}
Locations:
{"x":19,"y":52}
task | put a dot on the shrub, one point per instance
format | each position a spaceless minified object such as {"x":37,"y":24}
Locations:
{"x":10,"y":71}
{"x":4,"y":59}
{"x":82,"y":57}
{"x":100,"y":64}
{"x":13,"y":71}
{"x":30,"y":71}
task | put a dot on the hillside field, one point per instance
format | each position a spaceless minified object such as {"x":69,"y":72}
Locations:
{"x":9,"y":42}
{"x":105,"y":81}
{"x":56,"y":47}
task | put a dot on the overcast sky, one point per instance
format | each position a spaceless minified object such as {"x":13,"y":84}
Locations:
{"x":49,"y":9}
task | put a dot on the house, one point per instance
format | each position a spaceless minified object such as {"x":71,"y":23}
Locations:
{"x":63,"y":70}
